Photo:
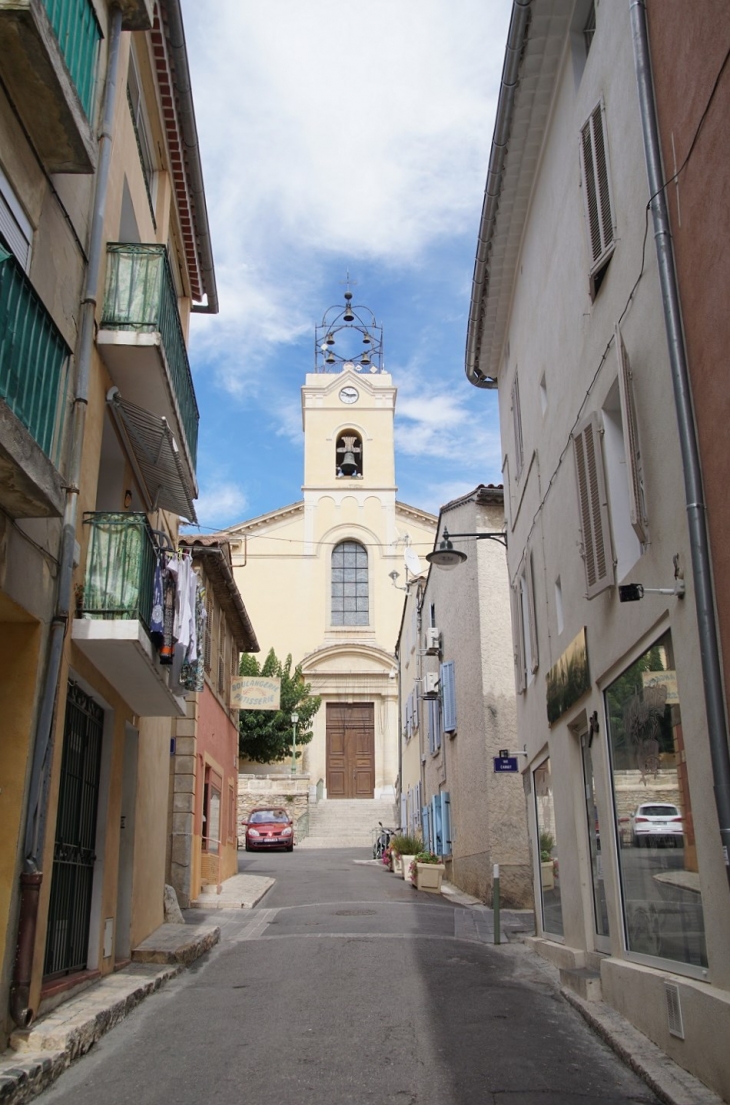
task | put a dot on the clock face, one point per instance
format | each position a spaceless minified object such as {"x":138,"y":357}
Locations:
{"x":349,"y":395}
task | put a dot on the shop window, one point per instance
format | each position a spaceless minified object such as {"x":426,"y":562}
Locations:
{"x":550,"y":898}
{"x":662,"y":903}
{"x":600,"y":907}
{"x":211,"y":813}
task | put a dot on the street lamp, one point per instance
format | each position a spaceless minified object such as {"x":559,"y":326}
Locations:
{"x":294,"y":720}
{"x":446,"y":556}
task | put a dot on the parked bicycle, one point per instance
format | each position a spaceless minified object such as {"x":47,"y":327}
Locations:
{"x":382,"y":840}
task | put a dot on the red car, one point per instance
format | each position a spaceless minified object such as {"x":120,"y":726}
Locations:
{"x":268,"y":828}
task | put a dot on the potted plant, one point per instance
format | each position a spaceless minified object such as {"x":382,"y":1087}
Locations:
{"x":407,"y":847}
{"x":547,"y":872}
{"x":428,"y":871}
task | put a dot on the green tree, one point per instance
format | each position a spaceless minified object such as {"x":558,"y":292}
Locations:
{"x":265,"y":736}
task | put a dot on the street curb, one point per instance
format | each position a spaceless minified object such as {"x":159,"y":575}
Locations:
{"x":671,"y":1083}
{"x":43,"y":1052}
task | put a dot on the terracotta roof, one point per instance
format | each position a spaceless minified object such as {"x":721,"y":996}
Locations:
{"x":215,"y":556}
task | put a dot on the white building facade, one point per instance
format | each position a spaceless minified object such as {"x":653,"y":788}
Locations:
{"x":567,"y":322}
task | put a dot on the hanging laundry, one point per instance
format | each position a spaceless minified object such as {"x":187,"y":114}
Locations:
{"x":157,"y":619}
{"x":168,"y":608}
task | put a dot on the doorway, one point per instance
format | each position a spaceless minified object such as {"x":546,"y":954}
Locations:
{"x":350,"y":750}
{"x":74,"y":854}
{"x":125,"y":871}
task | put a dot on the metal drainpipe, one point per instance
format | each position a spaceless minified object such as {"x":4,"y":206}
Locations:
{"x":696,"y":510}
{"x":36,"y":814}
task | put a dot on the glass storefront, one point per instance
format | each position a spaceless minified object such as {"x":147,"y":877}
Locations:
{"x":552,"y":912}
{"x":662,"y":904}
{"x":600,"y":909}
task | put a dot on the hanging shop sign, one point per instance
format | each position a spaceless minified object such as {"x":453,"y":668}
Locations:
{"x":255,"y":693}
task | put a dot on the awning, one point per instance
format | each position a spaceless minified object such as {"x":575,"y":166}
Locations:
{"x":155,"y":456}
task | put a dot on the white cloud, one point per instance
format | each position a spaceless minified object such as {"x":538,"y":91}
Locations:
{"x":220,"y":504}
{"x":358,"y":131}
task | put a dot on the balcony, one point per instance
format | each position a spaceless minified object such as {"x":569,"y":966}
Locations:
{"x":50,"y":51}
{"x":113,"y":627}
{"x":141,"y":341}
{"x":34,"y":366}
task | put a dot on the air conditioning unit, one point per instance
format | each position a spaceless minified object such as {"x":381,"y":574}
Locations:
{"x":433,"y":641}
{"x":430,"y":685}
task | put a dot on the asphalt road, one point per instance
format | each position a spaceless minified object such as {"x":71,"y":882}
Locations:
{"x":347,"y":985}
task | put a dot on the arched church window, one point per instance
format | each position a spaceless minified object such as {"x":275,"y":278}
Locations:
{"x":349,"y":584}
{"x":348,"y":455}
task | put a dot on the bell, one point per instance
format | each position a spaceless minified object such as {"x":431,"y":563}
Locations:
{"x":365,"y":359}
{"x":330,"y":358}
{"x":348,"y":315}
{"x":330,"y":339}
{"x":348,"y":465}
{"x":367,"y":339}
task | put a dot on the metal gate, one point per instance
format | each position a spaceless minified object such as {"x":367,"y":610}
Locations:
{"x":73,"y":857}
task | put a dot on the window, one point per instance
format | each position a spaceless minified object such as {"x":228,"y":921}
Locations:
{"x":448,"y":696}
{"x":141,"y":127}
{"x":653,"y":813}
{"x":434,"y":724}
{"x":440,"y":819}
{"x":593,"y":507}
{"x":596,"y":196}
{"x":517,"y":425}
{"x":525,"y":625}
{"x":350,"y":584}
{"x":14,"y":226}
{"x":552,"y":909}
{"x":348,"y":456}
{"x":589,"y":28}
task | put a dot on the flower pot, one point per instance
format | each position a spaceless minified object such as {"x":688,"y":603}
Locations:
{"x":547,"y":874}
{"x":397,"y":864}
{"x":406,"y":862}
{"x":429,"y":876}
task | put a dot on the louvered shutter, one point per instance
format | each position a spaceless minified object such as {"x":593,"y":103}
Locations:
{"x":446,"y":822}
{"x":14,"y":226}
{"x":437,"y":845}
{"x":426,"y":826}
{"x":532,"y":621}
{"x":415,"y":711}
{"x":517,"y":639}
{"x":448,"y":695}
{"x":403,"y":813}
{"x":596,"y":193}
{"x":517,"y":420}
{"x":593,"y":507}
{"x":637,"y":508}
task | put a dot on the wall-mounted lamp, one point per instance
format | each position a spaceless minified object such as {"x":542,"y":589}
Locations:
{"x":127,"y":499}
{"x":393,"y":576}
{"x":446,"y":556}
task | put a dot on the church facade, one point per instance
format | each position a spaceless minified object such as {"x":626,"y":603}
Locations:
{"x":317,"y":573}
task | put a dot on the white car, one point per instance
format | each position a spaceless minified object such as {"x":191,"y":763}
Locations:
{"x":656,"y":822}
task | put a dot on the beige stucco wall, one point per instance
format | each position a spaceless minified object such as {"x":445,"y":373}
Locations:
{"x":558,"y":338}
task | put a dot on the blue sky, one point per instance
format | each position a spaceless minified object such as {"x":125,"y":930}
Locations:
{"x":341,"y":137}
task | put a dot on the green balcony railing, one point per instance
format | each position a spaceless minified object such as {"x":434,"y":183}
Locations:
{"x":79,"y":34}
{"x":140,"y":295}
{"x":120,"y":567}
{"x":34,"y":359}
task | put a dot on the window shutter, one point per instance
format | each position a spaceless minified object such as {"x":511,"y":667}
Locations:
{"x":596,"y":193}
{"x":593,"y":507}
{"x":436,"y":826}
{"x":518,"y":642}
{"x":530,"y":581}
{"x":416,"y":710}
{"x":426,"y":824}
{"x":631,"y":437}
{"x":448,"y":693}
{"x":517,"y":419}
{"x":14,"y":226}
{"x":446,"y":822}
{"x":434,"y":725}
{"x":403,"y":813}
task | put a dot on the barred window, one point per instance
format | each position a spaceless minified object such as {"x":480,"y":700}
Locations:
{"x":349,"y":584}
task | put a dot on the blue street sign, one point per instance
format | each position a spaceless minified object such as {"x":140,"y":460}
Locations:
{"x":505,"y":763}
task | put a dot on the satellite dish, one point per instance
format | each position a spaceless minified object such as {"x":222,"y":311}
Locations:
{"x":413,"y":564}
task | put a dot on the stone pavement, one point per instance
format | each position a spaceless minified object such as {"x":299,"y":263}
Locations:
{"x":39,"y":1054}
{"x":238,"y":892}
